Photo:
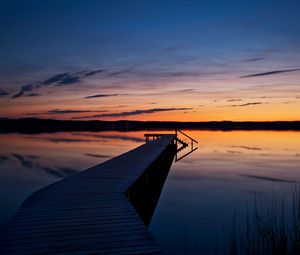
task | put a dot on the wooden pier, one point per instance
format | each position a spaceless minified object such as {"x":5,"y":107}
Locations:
{"x":88,"y":213}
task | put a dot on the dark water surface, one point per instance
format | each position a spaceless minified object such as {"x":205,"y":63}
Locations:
{"x":202,"y":193}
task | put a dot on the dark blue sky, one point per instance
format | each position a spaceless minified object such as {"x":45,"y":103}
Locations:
{"x":152,"y":40}
{"x":100,"y":31}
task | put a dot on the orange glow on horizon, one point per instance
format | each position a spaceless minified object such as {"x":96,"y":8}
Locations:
{"x":216,"y":104}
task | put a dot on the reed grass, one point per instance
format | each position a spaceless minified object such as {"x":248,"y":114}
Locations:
{"x":270,"y":229}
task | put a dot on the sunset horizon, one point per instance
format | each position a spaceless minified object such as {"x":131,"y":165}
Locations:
{"x":237,"y":62}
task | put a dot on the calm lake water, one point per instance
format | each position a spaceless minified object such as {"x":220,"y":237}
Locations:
{"x":202,"y":195}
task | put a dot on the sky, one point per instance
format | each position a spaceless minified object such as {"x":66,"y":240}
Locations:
{"x":150,"y":60}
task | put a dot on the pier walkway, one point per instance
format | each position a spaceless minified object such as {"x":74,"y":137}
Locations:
{"x":87,"y":213}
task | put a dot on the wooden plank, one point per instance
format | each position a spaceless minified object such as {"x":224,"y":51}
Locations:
{"x":100,"y":227}
{"x":88,"y":212}
{"x":121,"y":235}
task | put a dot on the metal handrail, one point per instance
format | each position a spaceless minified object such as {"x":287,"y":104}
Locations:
{"x":177,"y":130}
{"x":192,"y":144}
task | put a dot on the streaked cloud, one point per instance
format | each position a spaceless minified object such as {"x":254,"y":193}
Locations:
{"x":58,"y":111}
{"x":135,"y":112}
{"x":120,"y":72}
{"x":33,"y":94}
{"x":94,"y":72}
{"x":270,"y":73}
{"x":60,"y":79}
{"x":247,"y":148}
{"x":234,"y":152}
{"x":67,"y":140}
{"x":244,"y":105}
{"x":56,"y":78}
{"x":63,"y":112}
{"x":234,"y":100}
{"x":26,"y":88}
{"x":69,"y":80}
{"x":185,"y":90}
{"x":253,"y":59}
{"x":102,"y":95}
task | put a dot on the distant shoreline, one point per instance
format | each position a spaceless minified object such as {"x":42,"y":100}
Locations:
{"x":34,"y":125}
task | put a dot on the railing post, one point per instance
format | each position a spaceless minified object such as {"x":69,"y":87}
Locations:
{"x":176,"y":139}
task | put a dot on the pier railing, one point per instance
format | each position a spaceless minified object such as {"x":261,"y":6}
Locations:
{"x":151,"y":137}
{"x":180,"y":143}
{"x":192,"y":139}
{"x":184,"y":144}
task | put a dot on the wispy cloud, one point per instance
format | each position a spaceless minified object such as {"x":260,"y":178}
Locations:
{"x":270,"y":73}
{"x":234,"y":100}
{"x":248,"y":104}
{"x":102,"y":95}
{"x":120,"y":72}
{"x":56,"y":78}
{"x":244,"y":105}
{"x":67,"y":140}
{"x":185,"y":90}
{"x":63,"y":79}
{"x":69,"y":80}
{"x":60,"y":79}
{"x":26,"y":88}
{"x":253,"y":59}
{"x":135,"y":112}
{"x":94,"y":72}
{"x":234,"y":152}
{"x":248,"y":148}
{"x":63,"y":111}
{"x":67,"y":111}
{"x":33,"y":94}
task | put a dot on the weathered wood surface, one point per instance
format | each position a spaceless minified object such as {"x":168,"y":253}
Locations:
{"x":87,"y":213}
